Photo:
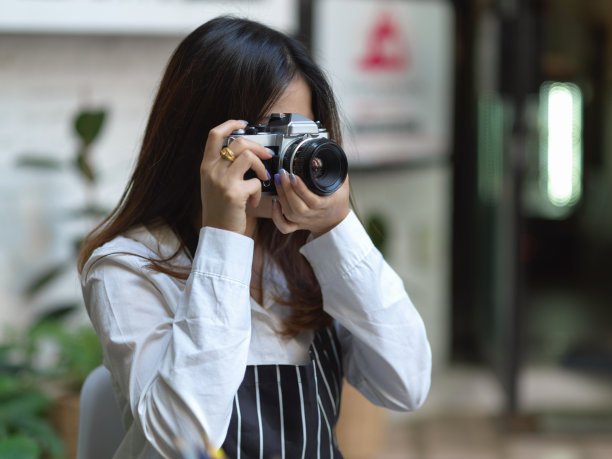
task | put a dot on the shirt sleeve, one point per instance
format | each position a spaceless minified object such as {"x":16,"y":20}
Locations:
{"x":172,"y":360}
{"x":386,"y":354}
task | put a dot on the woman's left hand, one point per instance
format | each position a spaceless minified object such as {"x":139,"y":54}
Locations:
{"x":299,"y":208}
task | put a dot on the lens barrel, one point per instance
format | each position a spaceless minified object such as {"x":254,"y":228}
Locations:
{"x":319,"y":162}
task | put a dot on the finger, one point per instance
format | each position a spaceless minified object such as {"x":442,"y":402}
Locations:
{"x":280,"y":180}
{"x":253,"y":188}
{"x":293,"y":205}
{"x":248,"y":160}
{"x":284,"y":226}
{"x":240,"y":144}
{"x":302,"y":192}
{"x":216,"y":135}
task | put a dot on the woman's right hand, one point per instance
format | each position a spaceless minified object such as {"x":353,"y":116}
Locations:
{"x":223,"y":189}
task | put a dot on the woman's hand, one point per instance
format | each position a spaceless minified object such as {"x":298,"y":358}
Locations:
{"x":223,"y":190}
{"x":299,"y":208}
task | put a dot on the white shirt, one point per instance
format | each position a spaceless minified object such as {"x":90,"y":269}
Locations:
{"x":177,"y":350}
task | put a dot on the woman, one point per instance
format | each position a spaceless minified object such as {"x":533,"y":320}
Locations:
{"x":231,"y":318}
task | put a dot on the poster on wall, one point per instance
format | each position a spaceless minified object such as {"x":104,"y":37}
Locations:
{"x":391,"y":66}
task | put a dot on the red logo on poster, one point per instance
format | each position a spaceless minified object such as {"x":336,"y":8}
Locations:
{"x":385,"y":47}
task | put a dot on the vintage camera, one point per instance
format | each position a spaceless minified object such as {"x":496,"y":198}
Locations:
{"x":302,"y":147}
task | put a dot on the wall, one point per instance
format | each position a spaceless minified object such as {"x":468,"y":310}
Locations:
{"x":416,"y":204}
{"x":46,"y":79}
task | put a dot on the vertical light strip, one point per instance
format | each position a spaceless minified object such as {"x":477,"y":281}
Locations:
{"x":304,"y":439}
{"x":282,"y":413}
{"x":316,"y":384}
{"x":261,"y":436}
{"x":563,"y":143}
{"x":331,"y":398}
{"x":239,"y":434}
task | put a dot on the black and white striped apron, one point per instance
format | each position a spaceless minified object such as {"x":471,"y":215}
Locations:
{"x":289,"y":411}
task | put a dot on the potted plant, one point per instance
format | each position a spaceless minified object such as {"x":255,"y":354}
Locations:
{"x":25,"y":431}
{"x":74,"y":352}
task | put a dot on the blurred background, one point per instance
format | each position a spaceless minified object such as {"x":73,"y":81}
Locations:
{"x":481,"y":163}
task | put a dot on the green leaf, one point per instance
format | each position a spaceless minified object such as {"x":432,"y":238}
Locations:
{"x":89,"y":211}
{"x":9,"y":386}
{"x":45,"y":328}
{"x":77,"y":244}
{"x":377,"y":229}
{"x":19,"y":447}
{"x":45,"y":435}
{"x":88,"y":124}
{"x":6,"y":351}
{"x":45,"y":278}
{"x":11,"y":368}
{"x":79,"y":350}
{"x":39,"y":163}
{"x":55,"y":313}
{"x":19,"y":407}
{"x":83,"y":166}
{"x":89,"y":356}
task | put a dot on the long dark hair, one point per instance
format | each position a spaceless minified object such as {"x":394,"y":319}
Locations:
{"x":228,"y":68}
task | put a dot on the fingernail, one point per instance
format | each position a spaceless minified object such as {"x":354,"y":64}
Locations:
{"x":292,"y":179}
{"x":268,"y":174}
{"x":270,"y":151}
{"x":274,"y":201}
{"x":245,"y":122}
{"x":282,"y":172}
{"x":277,"y":179}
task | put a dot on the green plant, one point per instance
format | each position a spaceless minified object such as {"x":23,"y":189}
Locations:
{"x":78,"y":350}
{"x":24,"y":430}
{"x":377,"y":228}
{"x":87,"y":126}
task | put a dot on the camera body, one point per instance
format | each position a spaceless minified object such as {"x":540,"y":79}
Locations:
{"x":301,"y":147}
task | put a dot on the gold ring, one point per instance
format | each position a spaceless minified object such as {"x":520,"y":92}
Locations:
{"x":228,"y":154}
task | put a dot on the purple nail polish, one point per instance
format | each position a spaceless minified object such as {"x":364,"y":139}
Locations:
{"x":282,"y":172}
{"x":270,"y":151}
{"x":274,"y":202}
{"x":268,"y":174}
{"x":277,"y":179}
{"x":292,"y":179}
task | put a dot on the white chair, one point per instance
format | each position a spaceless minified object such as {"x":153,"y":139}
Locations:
{"x":100,"y":426}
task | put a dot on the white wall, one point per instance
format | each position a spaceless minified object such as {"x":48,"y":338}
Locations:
{"x":415,"y":203}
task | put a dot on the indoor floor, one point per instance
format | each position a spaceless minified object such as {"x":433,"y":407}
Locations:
{"x":570,"y":417}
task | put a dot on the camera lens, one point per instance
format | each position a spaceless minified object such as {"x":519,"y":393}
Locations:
{"x":317,"y":168}
{"x":320,"y":163}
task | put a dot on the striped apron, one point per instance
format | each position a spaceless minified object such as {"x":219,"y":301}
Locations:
{"x":289,"y":411}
